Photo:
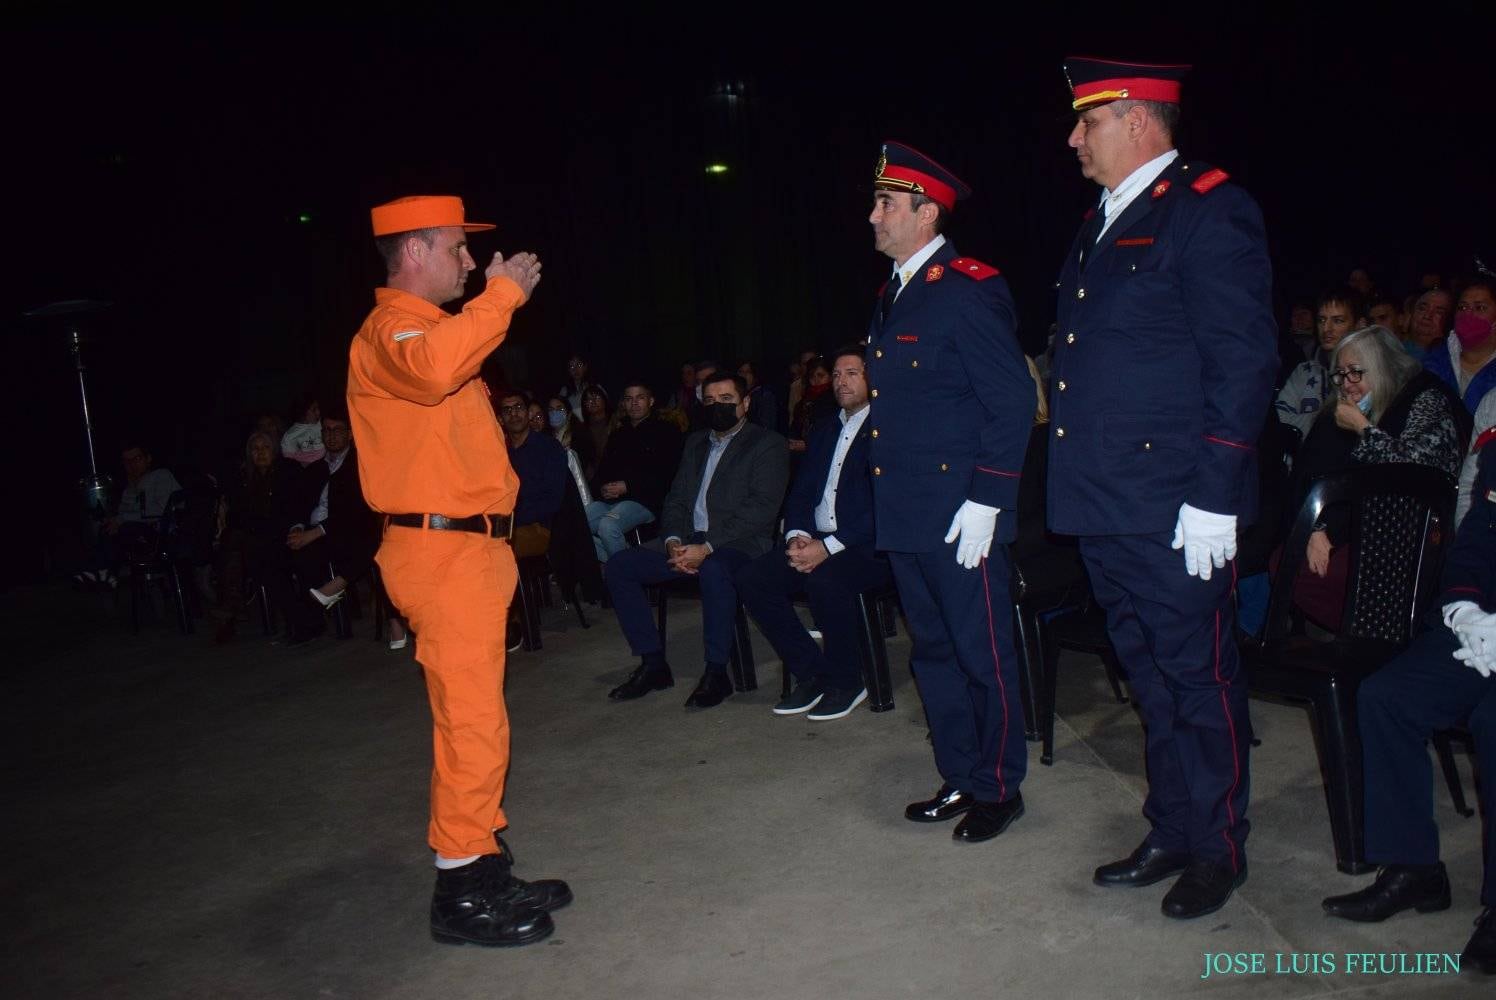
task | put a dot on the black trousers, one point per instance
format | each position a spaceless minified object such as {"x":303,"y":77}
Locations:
{"x":767,"y":586}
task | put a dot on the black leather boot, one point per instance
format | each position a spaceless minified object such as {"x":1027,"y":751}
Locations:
{"x":475,"y":904}
{"x":543,"y":894}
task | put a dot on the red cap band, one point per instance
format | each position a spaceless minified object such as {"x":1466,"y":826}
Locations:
{"x":1119,"y":88}
{"x":909,"y":179}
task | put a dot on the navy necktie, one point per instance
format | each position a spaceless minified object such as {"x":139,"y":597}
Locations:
{"x":1089,"y":233}
{"x":890,"y":292}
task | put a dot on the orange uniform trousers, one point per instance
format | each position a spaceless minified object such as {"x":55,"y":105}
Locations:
{"x":455,"y":588}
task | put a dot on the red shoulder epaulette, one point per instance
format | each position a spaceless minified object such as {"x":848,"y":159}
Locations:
{"x":974,"y":269}
{"x":1209,"y":179}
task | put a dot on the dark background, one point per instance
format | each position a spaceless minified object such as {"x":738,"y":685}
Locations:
{"x":212,"y":179}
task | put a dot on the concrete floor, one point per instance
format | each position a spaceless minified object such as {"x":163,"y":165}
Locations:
{"x":192,"y":820}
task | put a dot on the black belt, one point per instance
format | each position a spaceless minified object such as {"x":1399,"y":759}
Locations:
{"x":493,"y":525}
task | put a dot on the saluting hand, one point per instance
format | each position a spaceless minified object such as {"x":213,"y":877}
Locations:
{"x":522,"y":268}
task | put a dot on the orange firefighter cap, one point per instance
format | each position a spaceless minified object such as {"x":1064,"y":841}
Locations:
{"x":422,"y":211}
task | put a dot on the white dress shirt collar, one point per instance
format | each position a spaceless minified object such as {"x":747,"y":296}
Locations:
{"x":914,"y":263}
{"x":1115,"y":201}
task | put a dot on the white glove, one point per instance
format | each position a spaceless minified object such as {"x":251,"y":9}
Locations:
{"x":974,"y":524}
{"x":1478,"y":633}
{"x":1459,"y":612}
{"x":1485,"y":664}
{"x":1207,"y":539}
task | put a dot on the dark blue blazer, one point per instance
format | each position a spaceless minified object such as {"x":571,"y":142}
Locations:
{"x":953,"y":403}
{"x":854,"y":486}
{"x":1164,"y":359}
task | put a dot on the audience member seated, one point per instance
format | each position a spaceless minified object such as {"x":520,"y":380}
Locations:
{"x":131,"y":530}
{"x":816,"y":403}
{"x":1301,"y":330}
{"x":684,"y":396}
{"x":333,"y":545}
{"x":828,"y":556}
{"x":576,"y":382}
{"x":540,"y":463}
{"x":1387,"y":310}
{"x":590,"y":440}
{"x":1338,"y":312}
{"x":796,"y":385}
{"x":1443,"y":679}
{"x":302,"y":442}
{"x":259,"y":508}
{"x":1481,"y":433}
{"x":538,"y":423}
{"x":635,"y":472}
{"x":1465,"y":362}
{"x":562,"y":425}
{"x":1387,"y":410}
{"x":718,"y":516}
{"x":763,"y":408}
{"x":1429,"y":322}
{"x":696,"y":411}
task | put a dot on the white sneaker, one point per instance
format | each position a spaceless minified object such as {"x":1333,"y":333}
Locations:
{"x":837,"y":705}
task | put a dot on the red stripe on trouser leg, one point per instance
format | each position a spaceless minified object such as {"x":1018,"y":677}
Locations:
{"x":1002,"y":689}
{"x":455,"y":588}
{"x":1235,"y":755}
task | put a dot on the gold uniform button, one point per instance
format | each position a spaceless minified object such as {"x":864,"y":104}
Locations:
{"x":944,"y":467}
{"x":875,"y":432}
{"x":1070,"y":338}
{"x":1062,"y":385}
{"x":1147,"y":445}
{"x":877,"y":471}
{"x":1080,"y":293}
{"x":878,"y":353}
{"x":1059,"y":432}
{"x":914,"y":364}
{"x":874,"y":394}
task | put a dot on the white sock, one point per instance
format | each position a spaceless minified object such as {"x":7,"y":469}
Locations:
{"x":446,"y":864}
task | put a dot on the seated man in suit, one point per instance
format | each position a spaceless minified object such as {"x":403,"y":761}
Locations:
{"x":335,"y":545}
{"x":828,"y":555}
{"x":718,"y":516}
{"x":1443,"y":677}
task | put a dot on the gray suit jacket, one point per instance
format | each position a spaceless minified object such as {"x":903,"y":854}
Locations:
{"x":743,"y":500}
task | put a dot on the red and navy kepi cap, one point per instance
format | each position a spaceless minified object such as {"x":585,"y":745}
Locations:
{"x":904,"y":168}
{"x":1101,"y":81}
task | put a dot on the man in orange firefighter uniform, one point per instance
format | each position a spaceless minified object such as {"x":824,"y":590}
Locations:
{"x":433,"y":461}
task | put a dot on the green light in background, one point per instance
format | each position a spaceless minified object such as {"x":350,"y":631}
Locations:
{"x":303,"y":217}
{"x":716,"y":168}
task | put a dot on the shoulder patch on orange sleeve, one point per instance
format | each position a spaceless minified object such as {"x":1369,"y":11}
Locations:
{"x":1486,"y":437}
{"x":1209,"y":179}
{"x":974,"y":269}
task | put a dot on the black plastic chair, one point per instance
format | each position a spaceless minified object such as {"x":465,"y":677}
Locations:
{"x":1081,"y":628}
{"x":1444,"y":741}
{"x":1393,"y":576}
{"x":164,"y":559}
{"x":740,"y":656}
{"x":877,"y":622}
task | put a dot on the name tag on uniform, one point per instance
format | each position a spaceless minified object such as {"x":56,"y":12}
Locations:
{"x":907,"y":338}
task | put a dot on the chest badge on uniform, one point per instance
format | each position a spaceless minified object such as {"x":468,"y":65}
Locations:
{"x":934,"y":273}
{"x":1160,"y":189}
{"x":907,"y":338}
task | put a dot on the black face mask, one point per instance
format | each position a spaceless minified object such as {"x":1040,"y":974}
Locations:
{"x":722,"y":416}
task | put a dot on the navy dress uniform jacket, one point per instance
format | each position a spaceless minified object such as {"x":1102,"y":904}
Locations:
{"x":948,"y":346}
{"x":1164,"y":360}
{"x":854,"y":486}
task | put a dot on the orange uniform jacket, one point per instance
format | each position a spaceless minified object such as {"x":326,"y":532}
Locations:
{"x":427,"y":438}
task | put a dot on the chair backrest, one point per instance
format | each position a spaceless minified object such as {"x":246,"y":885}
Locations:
{"x":1402,"y":521}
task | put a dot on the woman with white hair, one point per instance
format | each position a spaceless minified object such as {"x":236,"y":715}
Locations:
{"x":1388,"y":409}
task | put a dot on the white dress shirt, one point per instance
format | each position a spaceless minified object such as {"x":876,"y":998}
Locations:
{"x":1115,"y":201}
{"x":914,"y":263}
{"x":716,"y":445}
{"x":825,"y":512}
{"x":334,"y":463}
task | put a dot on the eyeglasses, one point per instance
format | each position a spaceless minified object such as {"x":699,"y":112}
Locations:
{"x":1353,"y":375}
{"x":513,"y":408}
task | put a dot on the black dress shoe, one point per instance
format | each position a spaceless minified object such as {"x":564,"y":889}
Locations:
{"x":710,"y":690}
{"x":1144,"y":866}
{"x":985,"y":820}
{"x":473,"y":904}
{"x":947,"y":804}
{"x":1397,"y":888}
{"x":1203,"y":888}
{"x":1480,"y":953}
{"x":643,"y":680}
{"x":543,"y":894}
